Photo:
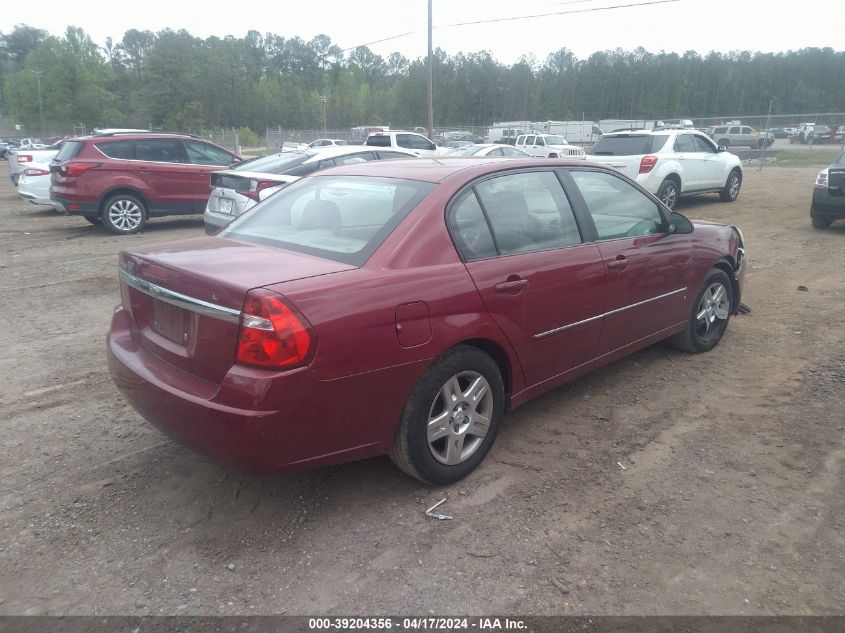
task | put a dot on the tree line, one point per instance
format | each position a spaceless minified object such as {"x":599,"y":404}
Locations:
{"x":176,"y":81}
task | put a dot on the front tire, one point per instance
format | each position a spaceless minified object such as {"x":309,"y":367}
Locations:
{"x":733,"y":184}
{"x":668,"y":192}
{"x":709,"y":316}
{"x":124,"y":214}
{"x":451,"y":418}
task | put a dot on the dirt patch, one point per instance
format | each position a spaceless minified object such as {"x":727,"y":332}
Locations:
{"x":730,"y":501}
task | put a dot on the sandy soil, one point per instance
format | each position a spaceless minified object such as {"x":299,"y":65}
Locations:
{"x":731,"y":500}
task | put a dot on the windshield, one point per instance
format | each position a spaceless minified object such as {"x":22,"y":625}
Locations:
{"x":840,"y":160}
{"x":556,"y":140}
{"x":342,"y":218}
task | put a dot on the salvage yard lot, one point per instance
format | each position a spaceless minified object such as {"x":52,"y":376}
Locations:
{"x":665,"y":483}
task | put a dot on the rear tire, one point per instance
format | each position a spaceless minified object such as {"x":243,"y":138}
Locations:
{"x":668,"y":192}
{"x":124,"y":214}
{"x":451,"y":418}
{"x":733,"y":184}
{"x":553,"y":155}
{"x":709,"y":315}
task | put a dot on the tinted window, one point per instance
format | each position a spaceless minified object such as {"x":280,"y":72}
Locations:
{"x":204,"y":154}
{"x":702,"y":144}
{"x":389,"y":155}
{"x":720,"y":130}
{"x":343,"y":218}
{"x":734,"y":130}
{"x":540,"y":141}
{"x":403,"y":140}
{"x":164,"y":150}
{"x":628,"y":145}
{"x":306,"y":168}
{"x":470,"y":229}
{"x":747,"y":130}
{"x":420,"y":142}
{"x":528,"y":212}
{"x":684,"y":143}
{"x":378,"y":141}
{"x":618,"y":209}
{"x":118,"y":149}
{"x":69,"y":150}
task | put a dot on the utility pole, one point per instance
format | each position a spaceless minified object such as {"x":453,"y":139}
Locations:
{"x":430,"y":77}
{"x":40,"y":104}
{"x":323,"y":100}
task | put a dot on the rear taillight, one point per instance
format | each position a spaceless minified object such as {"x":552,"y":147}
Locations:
{"x":77,"y":169}
{"x":273,"y":335}
{"x":24,"y":158}
{"x":256,"y":186}
{"x":821,"y":179}
{"x":647,"y":163}
{"x":35,"y":172}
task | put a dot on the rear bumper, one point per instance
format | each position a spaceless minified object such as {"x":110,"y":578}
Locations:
{"x":216,"y":222}
{"x":825,"y":204}
{"x":75,"y":207}
{"x":257,"y":421}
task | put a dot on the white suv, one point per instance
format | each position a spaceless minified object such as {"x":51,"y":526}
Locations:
{"x":409,"y":141}
{"x":671,"y":163}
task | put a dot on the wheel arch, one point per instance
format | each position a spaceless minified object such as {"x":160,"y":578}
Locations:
{"x":500,"y":357}
{"x":728,"y":266}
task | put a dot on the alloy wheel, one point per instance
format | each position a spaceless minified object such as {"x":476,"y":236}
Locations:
{"x":459,"y":417}
{"x":714,"y":306}
{"x":125,"y":215}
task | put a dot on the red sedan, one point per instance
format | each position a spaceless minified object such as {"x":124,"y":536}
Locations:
{"x":402,"y":307}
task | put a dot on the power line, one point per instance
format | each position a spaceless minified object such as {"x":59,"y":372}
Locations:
{"x":522,"y":17}
{"x":544,"y":15}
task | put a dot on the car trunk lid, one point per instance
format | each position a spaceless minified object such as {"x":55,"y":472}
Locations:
{"x":185,"y":299}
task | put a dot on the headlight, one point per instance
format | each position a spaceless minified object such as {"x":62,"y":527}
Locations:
{"x":821,"y":179}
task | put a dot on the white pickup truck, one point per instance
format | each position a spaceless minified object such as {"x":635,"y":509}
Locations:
{"x":549,"y":146}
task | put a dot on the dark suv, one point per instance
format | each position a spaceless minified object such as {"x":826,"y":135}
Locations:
{"x":121,"y":180}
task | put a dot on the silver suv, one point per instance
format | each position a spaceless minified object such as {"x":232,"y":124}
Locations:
{"x":740,"y":135}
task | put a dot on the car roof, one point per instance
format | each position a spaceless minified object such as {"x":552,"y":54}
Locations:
{"x":437,"y":170}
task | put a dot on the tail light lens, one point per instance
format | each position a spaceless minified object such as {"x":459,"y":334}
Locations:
{"x":273,"y":335}
{"x":257,"y":186}
{"x":77,"y":169}
{"x":24,"y":158}
{"x":35,"y":172}
{"x":647,"y":164}
{"x":821,"y":179}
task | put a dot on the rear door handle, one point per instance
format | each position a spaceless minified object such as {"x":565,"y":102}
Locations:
{"x":620,"y":263}
{"x":513,"y":286}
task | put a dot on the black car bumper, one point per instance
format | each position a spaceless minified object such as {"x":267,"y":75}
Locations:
{"x":827,"y":204}
{"x":74,"y":207}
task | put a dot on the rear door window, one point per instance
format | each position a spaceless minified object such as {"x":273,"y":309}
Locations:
{"x":378,"y":141}
{"x":164,"y":150}
{"x":684,"y":143}
{"x":734,"y":130}
{"x":528,"y":212}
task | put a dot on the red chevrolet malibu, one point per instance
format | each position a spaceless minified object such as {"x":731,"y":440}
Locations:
{"x":402,"y":307}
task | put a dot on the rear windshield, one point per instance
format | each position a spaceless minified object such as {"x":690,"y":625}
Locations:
{"x":69,"y":150}
{"x":378,"y":141}
{"x":342,"y":218}
{"x":275,"y":164}
{"x":628,"y":145}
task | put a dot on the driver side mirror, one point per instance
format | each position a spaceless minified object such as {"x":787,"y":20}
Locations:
{"x":679,"y":224}
{"x":722,"y":148}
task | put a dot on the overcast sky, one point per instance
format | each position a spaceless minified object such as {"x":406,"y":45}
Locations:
{"x":700,"y":25}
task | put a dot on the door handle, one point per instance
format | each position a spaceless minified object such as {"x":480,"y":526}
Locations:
{"x":620,"y":263}
{"x":512,"y":286}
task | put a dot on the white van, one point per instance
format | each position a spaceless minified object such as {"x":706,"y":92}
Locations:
{"x":577,"y":132}
{"x":621,"y":125}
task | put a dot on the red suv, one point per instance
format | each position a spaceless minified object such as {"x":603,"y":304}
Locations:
{"x":121,"y":180}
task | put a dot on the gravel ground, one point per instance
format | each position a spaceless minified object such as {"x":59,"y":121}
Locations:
{"x":663,"y":484}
